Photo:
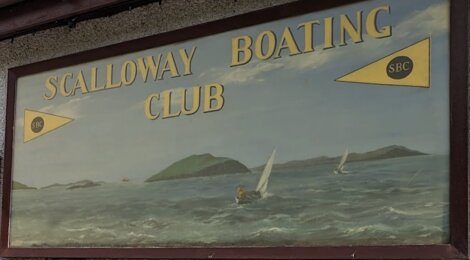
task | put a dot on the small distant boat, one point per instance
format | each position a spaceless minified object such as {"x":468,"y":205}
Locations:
{"x":340,"y":168}
{"x":244,"y":197}
{"x":125,"y":179}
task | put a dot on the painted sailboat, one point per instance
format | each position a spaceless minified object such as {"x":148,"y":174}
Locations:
{"x":340,"y":168}
{"x":244,"y":197}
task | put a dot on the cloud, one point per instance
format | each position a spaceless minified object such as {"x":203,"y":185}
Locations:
{"x":256,"y":70}
{"x":248,"y":73}
{"x":434,"y":18}
{"x":72,"y":108}
{"x":312,"y":60}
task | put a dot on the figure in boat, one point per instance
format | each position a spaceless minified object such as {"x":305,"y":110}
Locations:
{"x":243,"y":196}
{"x":340,"y":168}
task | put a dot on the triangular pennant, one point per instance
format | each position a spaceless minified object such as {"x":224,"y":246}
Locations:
{"x":407,"y":67}
{"x":38,"y":123}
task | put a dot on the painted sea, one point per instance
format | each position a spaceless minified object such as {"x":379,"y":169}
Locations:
{"x":392,"y":201}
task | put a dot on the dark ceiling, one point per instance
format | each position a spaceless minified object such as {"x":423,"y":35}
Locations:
{"x":19,"y":17}
{"x":4,"y":3}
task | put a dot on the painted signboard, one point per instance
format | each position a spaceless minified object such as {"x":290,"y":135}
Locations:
{"x":329,"y":128}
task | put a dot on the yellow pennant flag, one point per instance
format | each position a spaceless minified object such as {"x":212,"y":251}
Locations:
{"x":38,"y":123}
{"x":407,"y":67}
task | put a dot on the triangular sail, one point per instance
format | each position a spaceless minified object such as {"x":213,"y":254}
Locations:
{"x":263,"y":181}
{"x":343,"y":160}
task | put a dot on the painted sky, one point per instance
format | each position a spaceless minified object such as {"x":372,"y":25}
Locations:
{"x":291,"y":103}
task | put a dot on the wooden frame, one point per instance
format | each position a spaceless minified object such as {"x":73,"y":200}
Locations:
{"x":458,"y":246}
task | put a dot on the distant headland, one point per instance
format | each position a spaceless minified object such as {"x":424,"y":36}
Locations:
{"x":74,"y":185}
{"x":21,"y":186}
{"x":202,"y":165}
{"x":388,"y":152}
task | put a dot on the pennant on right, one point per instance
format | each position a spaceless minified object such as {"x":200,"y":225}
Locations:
{"x":407,"y":67}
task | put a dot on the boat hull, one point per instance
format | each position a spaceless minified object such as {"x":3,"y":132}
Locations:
{"x":250,"y":196}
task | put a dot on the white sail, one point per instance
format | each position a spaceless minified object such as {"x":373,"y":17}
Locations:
{"x":263,"y":181}
{"x":343,"y":160}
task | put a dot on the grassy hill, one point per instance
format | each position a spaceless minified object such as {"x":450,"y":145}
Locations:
{"x":21,"y":186}
{"x":74,"y":185}
{"x":198,"y":166}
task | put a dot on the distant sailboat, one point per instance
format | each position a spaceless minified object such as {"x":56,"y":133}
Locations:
{"x":340,"y":168}
{"x":243,"y":197}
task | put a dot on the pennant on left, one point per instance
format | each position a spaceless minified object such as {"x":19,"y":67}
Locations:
{"x":38,"y":123}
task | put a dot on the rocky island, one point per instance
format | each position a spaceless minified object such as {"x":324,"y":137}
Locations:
{"x":388,"y":152}
{"x":199,"y":166}
{"x":74,"y":185}
{"x":21,"y":186}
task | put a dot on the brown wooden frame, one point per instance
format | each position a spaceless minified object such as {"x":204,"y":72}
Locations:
{"x":458,"y":244}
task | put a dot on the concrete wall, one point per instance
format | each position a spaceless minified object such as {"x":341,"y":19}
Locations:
{"x":136,"y":23}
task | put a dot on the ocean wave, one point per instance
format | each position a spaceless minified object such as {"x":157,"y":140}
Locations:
{"x":279,"y":216}
{"x":425,"y":235}
{"x":313,"y":190}
{"x":77,"y":229}
{"x":439,"y":216}
{"x":218,"y":218}
{"x":408,"y":190}
{"x":140,"y":236}
{"x":270,"y":231}
{"x":375,"y":228}
{"x":92,"y":230}
{"x":329,"y":217}
{"x":151,"y":223}
{"x":371,"y":191}
{"x":403,"y":212}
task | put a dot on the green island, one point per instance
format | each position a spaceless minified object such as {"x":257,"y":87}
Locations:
{"x":199,"y":166}
{"x":21,"y":186}
{"x":74,"y":185}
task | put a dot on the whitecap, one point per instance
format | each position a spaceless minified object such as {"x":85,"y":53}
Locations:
{"x":138,"y":235}
{"x":271,"y":230}
{"x":368,"y":228}
{"x":403,"y":212}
